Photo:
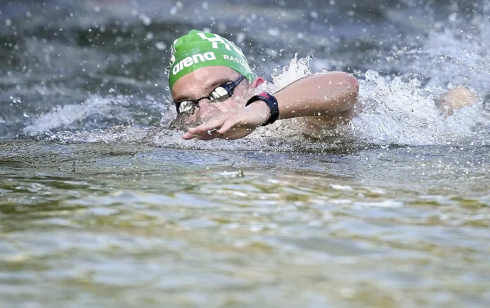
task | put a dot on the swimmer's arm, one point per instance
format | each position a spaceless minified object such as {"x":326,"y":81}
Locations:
{"x":322,"y":100}
{"x":320,"y":95}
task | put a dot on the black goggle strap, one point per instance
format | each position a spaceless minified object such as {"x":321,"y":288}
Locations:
{"x":232,"y":85}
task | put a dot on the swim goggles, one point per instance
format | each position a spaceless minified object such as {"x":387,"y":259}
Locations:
{"x":219,"y":94}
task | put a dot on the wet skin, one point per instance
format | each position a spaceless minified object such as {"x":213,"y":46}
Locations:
{"x":325,"y":100}
{"x":211,"y":114}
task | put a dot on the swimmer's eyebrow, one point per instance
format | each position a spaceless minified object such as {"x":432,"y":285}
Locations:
{"x":207,"y":89}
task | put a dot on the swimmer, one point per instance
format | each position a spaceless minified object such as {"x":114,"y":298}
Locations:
{"x":213,"y":90}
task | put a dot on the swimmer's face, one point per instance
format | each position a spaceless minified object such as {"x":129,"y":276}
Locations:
{"x":201,"y":83}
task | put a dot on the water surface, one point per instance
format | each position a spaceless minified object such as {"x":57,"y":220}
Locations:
{"x":102,"y":205}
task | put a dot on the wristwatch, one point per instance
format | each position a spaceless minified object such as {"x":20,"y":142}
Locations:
{"x":271,"y":102}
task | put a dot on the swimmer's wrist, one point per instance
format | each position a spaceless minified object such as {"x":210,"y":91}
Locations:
{"x":261,"y":108}
{"x":271,"y":102}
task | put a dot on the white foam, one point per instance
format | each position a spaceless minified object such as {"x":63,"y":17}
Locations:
{"x":69,"y":114}
{"x":397,"y":112}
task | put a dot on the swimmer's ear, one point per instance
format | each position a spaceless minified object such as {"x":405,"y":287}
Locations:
{"x":257,"y":82}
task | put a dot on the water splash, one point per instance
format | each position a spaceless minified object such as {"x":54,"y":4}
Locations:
{"x":297,"y":68}
{"x":397,"y":110}
{"x":403,"y":113}
{"x":94,"y":109}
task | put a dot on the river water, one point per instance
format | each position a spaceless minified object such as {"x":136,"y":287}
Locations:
{"x":102,"y":204}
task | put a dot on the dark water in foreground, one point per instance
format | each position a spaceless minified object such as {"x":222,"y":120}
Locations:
{"x":102,"y":206}
{"x":132,"y":225}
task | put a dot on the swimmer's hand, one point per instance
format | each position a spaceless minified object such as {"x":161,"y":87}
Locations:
{"x":231,"y":125}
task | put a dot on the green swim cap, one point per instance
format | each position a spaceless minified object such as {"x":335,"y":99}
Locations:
{"x":198,"y":49}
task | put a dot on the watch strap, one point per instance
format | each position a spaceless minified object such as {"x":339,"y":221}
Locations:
{"x":271,"y":102}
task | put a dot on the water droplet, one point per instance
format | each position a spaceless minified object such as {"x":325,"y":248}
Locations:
{"x":146,"y":20}
{"x":273,"y":31}
{"x":160,"y":45}
{"x":240,"y":37}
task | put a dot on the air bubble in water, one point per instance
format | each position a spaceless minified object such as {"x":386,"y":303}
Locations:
{"x":146,"y":20}
{"x":371,"y":75}
{"x":271,"y":52}
{"x":240,"y":37}
{"x":160,"y":45}
{"x":273,"y":31}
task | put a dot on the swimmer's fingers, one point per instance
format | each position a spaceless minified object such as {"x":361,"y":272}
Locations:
{"x":206,"y":136}
{"x":228,"y":125}
{"x":206,"y":131}
{"x":210,"y":126}
{"x":215,"y":128}
{"x":209,"y":136}
{"x":188,"y":136}
{"x":236,"y":128}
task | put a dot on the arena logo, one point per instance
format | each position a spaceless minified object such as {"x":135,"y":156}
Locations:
{"x":189,"y":61}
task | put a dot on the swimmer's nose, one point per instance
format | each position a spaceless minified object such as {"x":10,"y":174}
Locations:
{"x":206,"y":109}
